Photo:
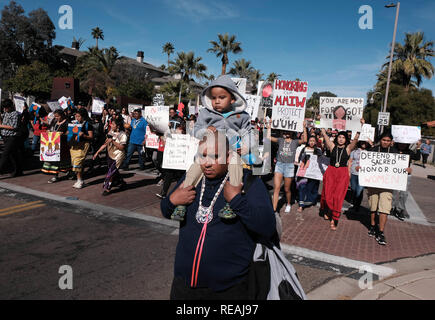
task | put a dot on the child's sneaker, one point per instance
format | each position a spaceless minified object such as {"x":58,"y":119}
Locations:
{"x":288,"y":208}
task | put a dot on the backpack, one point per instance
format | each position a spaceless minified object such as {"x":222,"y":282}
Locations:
{"x":271,"y":276}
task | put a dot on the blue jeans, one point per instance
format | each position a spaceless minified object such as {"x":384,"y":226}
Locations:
{"x":357,"y":190}
{"x":130,"y":150}
{"x":308,"y":193}
{"x":35,"y":143}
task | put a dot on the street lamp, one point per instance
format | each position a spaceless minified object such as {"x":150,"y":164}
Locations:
{"x":392,"y":5}
{"x":372,"y":101}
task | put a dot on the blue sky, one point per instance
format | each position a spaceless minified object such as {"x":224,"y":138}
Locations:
{"x":317,"y":41}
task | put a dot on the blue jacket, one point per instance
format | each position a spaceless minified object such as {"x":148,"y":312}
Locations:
{"x":228,"y":246}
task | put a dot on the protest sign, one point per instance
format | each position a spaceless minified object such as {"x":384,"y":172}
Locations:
{"x":73,"y":130}
{"x":19,"y":103}
{"x":50,"y":146}
{"x":289,"y":99}
{"x":383,"y":170}
{"x":132,"y":107}
{"x":97,"y":106}
{"x":406,"y":134}
{"x":157,"y":117}
{"x":180,"y":151}
{"x":367,"y":132}
{"x":152,"y":140}
{"x":240,"y":84}
{"x":252,"y":105}
{"x":158,"y":100}
{"x":341,"y":113}
{"x":314,"y":168}
{"x":383,"y":118}
{"x":53,"y":105}
{"x":266,"y":94}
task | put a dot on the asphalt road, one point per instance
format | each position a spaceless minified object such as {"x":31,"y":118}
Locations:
{"x":111,"y":257}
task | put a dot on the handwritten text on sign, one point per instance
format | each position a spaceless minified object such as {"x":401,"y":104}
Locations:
{"x":180,"y":151}
{"x":289,"y":99}
{"x":341,"y":113}
{"x":383,"y":170}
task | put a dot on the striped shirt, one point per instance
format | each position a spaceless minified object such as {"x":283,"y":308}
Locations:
{"x":10,"y":119}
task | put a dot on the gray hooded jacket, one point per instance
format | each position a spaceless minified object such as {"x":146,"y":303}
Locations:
{"x":238,"y":123}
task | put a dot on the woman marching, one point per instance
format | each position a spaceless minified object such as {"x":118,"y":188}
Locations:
{"x":80,"y":145}
{"x":308,"y":188}
{"x":336,"y":177}
{"x":115,"y":143}
{"x":284,"y":168}
{"x":59,"y":124}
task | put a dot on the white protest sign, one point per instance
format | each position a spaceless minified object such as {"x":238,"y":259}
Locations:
{"x":316,"y":168}
{"x":367,"y":132}
{"x":152,"y":140}
{"x":341,"y":113}
{"x":180,"y":150}
{"x":97,"y":106}
{"x":19,"y":103}
{"x":240,"y":84}
{"x":63,"y":102}
{"x":53,"y":105}
{"x":406,"y":134}
{"x":383,"y":170}
{"x":289,"y":99}
{"x":383,"y":118}
{"x":157,"y":117}
{"x":253,"y":104}
{"x":159,"y":100}
{"x":132,"y":107}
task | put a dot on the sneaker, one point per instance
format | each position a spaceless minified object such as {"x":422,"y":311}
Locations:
{"x":372,"y":231}
{"x":79,"y":184}
{"x":53,"y":180}
{"x":288,"y":208}
{"x":158,"y":195}
{"x":380,"y":238}
{"x":400,"y":215}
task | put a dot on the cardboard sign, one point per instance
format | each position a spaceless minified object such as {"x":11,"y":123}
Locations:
{"x":53,"y":105}
{"x":180,"y":151}
{"x":367,"y":132}
{"x":383,"y":170}
{"x":19,"y":103}
{"x":157,"y":117}
{"x":406,"y":134}
{"x":253,"y":105}
{"x":158,"y":100}
{"x":341,"y":113}
{"x":289,"y":100}
{"x":50,"y":146}
{"x":240,"y":84}
{"x":383,"y":118}
{"x":97,"y":106}
{"x":152,"y":140}
{"x":132,"y":107}
{"x":314,"y":168}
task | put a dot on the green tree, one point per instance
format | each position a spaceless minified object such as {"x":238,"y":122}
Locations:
{"x":97,"y":33}
{"x":35,"y":80}
{"x":168,"y":48}
{"x":241,"y":68}
{"x":224,"y":46}
{"x":410,"y":60}
{"x":135,"y":88}
{"x":272,"y":77}
{"x":254,"y":78}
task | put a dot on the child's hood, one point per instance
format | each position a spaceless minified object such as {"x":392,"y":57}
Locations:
{"x":225,"y":82}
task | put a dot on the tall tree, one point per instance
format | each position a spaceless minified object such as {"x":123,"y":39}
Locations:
{"x":188,"y":66}
{"x":410,"y":60}
{"x":224,"y":46}
{"x":254,"y":78}
{"x":272,"y":77}
{"x":168,"y":48}
{"x":241,"y":68}
{"x":97,"y":33}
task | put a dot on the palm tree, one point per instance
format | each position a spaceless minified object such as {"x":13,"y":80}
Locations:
{"x":97,"y":33}
{"x":272,"y":77}
{"x":188,"y":66}
{"x":242,"y":68}
{"x":410,"y":60}
{"x":168,"y":48}
{"x":254,"y":78}
{"x":223,"y":47}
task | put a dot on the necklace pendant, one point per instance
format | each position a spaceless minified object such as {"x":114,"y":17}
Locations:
{"x":204,"y":215}
{"x":337,"y":165}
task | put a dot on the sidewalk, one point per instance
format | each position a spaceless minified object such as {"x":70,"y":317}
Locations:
{"x":305,"y":233}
